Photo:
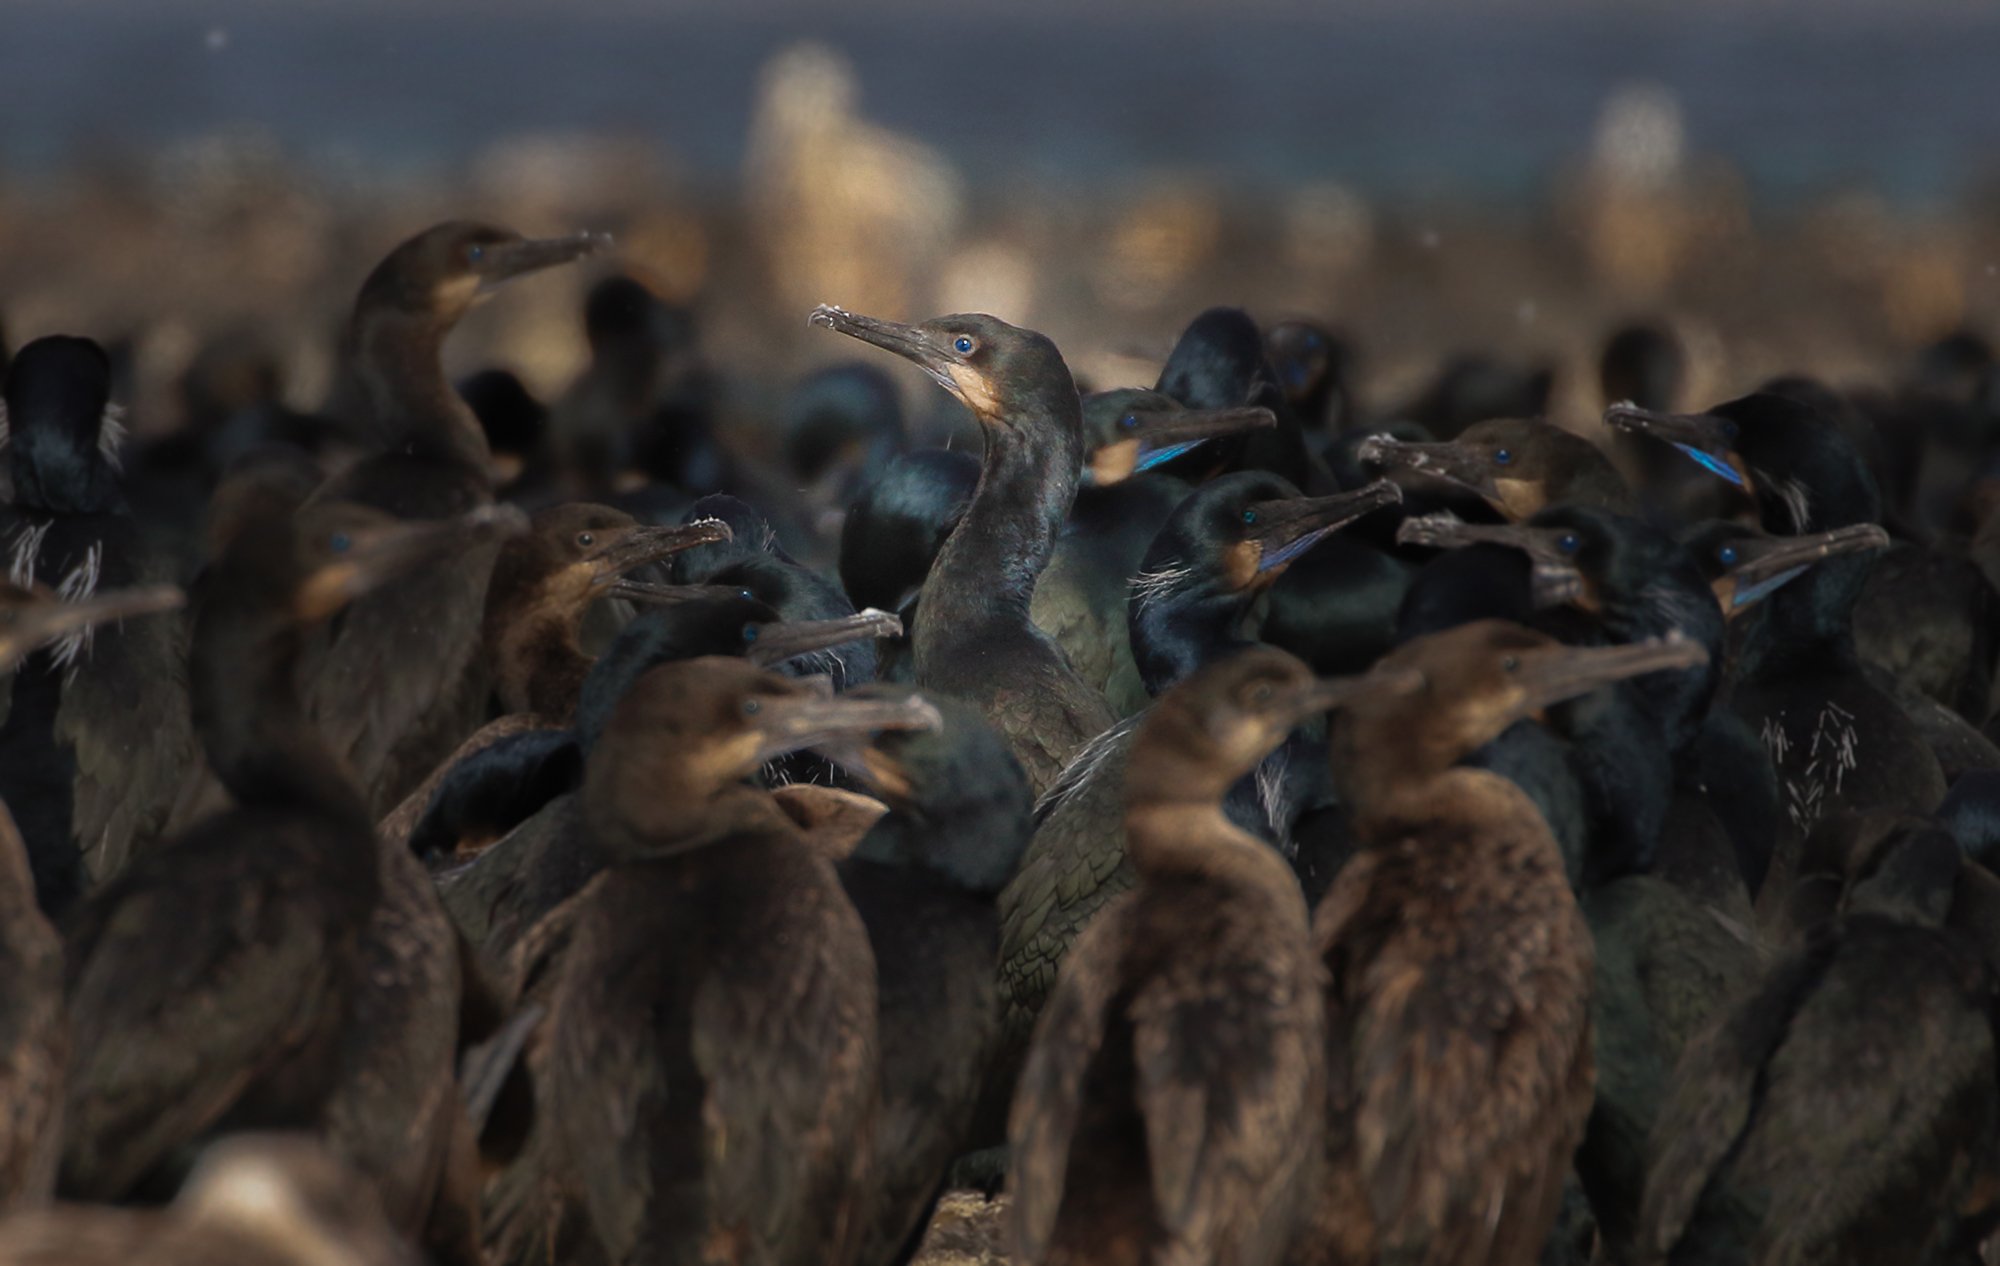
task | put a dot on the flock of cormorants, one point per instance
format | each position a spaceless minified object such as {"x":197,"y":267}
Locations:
{"x":1238,"y":827}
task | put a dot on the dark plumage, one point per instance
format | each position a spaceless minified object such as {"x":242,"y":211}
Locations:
{"x":975,"y":640}
{"x":718,"y":992}
{"x":94,"y":732}
{"x":1844,"y":1110}
{"x":924,"y":880}
{"x":1518,"y":466}
{"x":1169,"y":1108}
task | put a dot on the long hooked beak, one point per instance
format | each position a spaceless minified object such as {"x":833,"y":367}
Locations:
{"x":1286,"y":529}
{"x":639,"y":546}
{"x":809,"y":719}
{"x":1555,"y":674}
{"x":1467,"y":467}
{"x":789,"y":639}
{"x":501,"y":262}
{"x":1163,"y":437}
{"x":1768,"y":563}
{"x":1554,"y":577}
{"x":910,"y":342}
{"x":1705,"y":438}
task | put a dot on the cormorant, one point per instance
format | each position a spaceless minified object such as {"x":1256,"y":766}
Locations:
{"x":216,"y":981}
{"x":1171,"y":1104}
{"x":1518,"y":466}
{"x":1458,"y":1026}
{"x":1315,"y":368}
{"x":976,"y":641}
{"x":924,"y":880}
{"x":95,"y":740}
{"x":717,"y":999}
{"x":892,"y":533}
{"x":400,"y":681}
{"x":1844,"y":1110}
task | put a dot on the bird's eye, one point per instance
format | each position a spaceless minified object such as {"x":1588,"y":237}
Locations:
{"x":1568,"y":543}
{"x":751,"y":707}
{"x":1728,"y":555}
{"x":1502,"y":456}
{"x":1250,"y":517}
{"x":1511,"y":663}
{"x":749,"y":634}
{"x":1262,"y":693}
{"x":745,"y":593}
{"x":475,"y":252}
{"x":1129,"y":422}
{"x":340,"y":542}
{"x":962,"y":345}
{"x":585,"y":538}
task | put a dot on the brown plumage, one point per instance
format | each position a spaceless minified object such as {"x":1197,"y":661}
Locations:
{"x":716,"y":1003}
{"x":1519,"y":466}
{"x":1168,"y":1110}
{"x":1458,"y":1025}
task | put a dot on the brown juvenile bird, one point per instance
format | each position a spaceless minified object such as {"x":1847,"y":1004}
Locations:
{"x":542,"y":587}
{"x":223,"y":977}
{"x":975,"y":640}
{"x":709,"y":1070}
{"x":1458,"y":1009}
{"x":1519,"y":466}
{"x":252,"y":1200}
{"x":1169,"y":1110}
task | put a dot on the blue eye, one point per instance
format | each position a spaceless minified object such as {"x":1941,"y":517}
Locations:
{"x":475,"y":253}
{"x":745,"y":593}
{"x":751,"y":707}
{"x":1130,"y":421}
{"x":1502,"y":457}
{"x":1250,"y":517}
{"x":1728,"y":555}
{"x":1568,"y":543}
{"x":340,"y":542}
{"x":1728,"y":429}
{"x":749,"y":634}
{"x":963,"y":344}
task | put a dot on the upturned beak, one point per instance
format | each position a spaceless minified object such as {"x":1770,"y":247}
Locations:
{"x":789,"y":723}
{"x":1286,"y":529}
{"x":638,"y":546}
{"x":1554,"y":578}
{"x":502,"y":262}
{"x":1703,"y":437}
{"x":377,"y":556}
{"x":40,"y":618}
{"x":789,"y":639}
{"x":1768,"y":563}
{"x":1556,"y":674}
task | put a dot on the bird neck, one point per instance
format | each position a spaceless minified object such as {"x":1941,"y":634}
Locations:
{"x":256,"y":734}
{"x":1806,"y":625}
{"x":542,"y":666}
{"x":989,"y":564}
{"x":398,"y":360}
{"x":1186,"y":838}
{"x":1176,"y":630}
{"x":664,"y":819}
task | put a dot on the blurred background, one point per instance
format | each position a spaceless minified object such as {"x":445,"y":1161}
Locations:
{"x":1785,"y":186}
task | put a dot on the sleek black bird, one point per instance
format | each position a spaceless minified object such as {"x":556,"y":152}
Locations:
{"x":1845,"y":1109}
{"x":1172,"y":1103}
{"x":924,"y":880}
{"x":976,"y":640}
{"x":516,"y":428}
{"x":1218,"y":363}
{"x":717,"y":996}
{"x":842,"y":427}
{"x":399,"y":682}
{"x":1838,"y":742}
{"x":1518,"y":466}
{"x":1472,"y":388}
{"x":220,"y":980}
{"x":94,"y":738}
{"x":1223,"y":545}
{"x":892,"y":534}
{"x":1458,"y":1025}
{"x":34,"y":1035}
{"x":1316,"y":370}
